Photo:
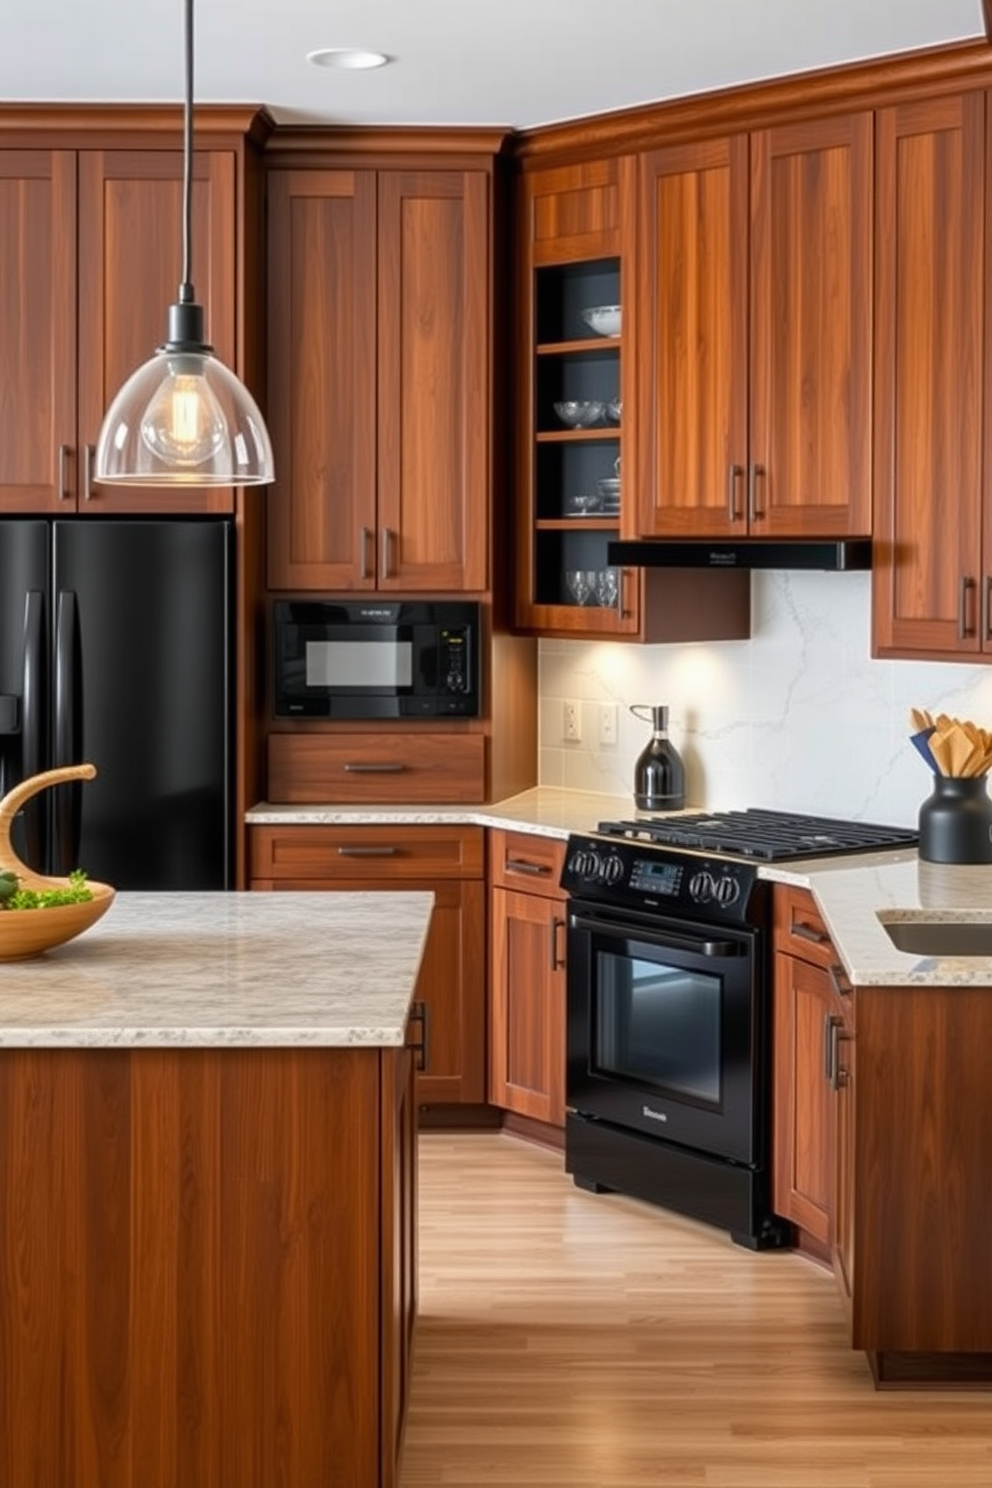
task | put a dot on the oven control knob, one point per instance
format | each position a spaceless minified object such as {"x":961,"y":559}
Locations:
{"x":701,"y":887}
{"x":584,"y":862}
{"x":726,"y":890}
{"x":612,"y":870}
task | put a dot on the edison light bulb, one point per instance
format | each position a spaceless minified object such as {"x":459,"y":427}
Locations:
{"x":183,"y":424}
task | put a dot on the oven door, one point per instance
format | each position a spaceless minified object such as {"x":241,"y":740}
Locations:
{"x":662,"y":1033}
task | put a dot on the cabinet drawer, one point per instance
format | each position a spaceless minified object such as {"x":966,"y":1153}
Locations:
{"x":799,"y":931}
{"x":337,"y":854}
{"x":369,"y":769}
{"x":526,"y":862}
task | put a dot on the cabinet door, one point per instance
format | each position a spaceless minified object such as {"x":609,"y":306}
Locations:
{"x":811,"y":342}
{"x":930,"y":337}
{"x":398,"y":1275}
{"x":527,"y":1006}
{"x":690,"y":373}
{"x":434,"y":380}
{"x":804,"y":1106}
{"x":130,"y":267}
{"x":322,"y":379}
{"x":37,"y":330}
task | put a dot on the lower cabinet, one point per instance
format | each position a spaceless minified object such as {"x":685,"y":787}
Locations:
{"x":447,"y":861}
{"x":527,"y":977}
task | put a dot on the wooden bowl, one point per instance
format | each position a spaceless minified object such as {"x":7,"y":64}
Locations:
{"x":29,"y":932}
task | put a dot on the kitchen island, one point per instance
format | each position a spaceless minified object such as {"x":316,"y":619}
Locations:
{"x":207,"y":1194}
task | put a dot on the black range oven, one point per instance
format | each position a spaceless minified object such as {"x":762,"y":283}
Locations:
{"x":668,"y":1008}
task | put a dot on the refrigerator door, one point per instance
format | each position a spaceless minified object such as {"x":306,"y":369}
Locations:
{"x":24,"y":676}
{"x":142,"y":688}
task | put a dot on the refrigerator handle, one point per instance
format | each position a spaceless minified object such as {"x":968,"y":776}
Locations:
{"x":67,"y":741}
{"x":34,"y":812}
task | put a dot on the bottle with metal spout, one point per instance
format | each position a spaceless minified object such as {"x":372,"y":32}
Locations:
{"x":659,"y":774}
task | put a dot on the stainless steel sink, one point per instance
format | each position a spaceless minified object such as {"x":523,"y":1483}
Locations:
{"x":941,"y":937}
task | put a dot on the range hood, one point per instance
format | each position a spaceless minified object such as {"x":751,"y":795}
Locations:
{"x":838,"y":556}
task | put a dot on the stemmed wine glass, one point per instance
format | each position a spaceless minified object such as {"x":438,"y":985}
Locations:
{"x":607,"y":587}
{"x":580,"y":583}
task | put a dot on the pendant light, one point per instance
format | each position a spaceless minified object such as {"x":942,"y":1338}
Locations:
{"x":183,"y":418}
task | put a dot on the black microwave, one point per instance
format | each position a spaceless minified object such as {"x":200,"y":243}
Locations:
{"x":372,"y":658}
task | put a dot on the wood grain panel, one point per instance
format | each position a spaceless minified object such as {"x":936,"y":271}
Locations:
{"x":434,"y":379}
{"x":190,"y":1267}
{"x":524,"y":861}
{"x":803,"y":1107}
{"x":37,"y":328}
{"x":573,"y":212}
{"x":130,"y":265}
{"x":811,"y":345}
{"x":923,"y":1153}
{"x":690,"y":377}
{"x":421,"y":767}
{"x":322,"y":379}
{"x":527,"y":1011}
{"x":404,"y":852}
{"x":929,"y":293}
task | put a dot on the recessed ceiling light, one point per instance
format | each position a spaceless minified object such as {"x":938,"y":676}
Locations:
{"x":354,"y":59}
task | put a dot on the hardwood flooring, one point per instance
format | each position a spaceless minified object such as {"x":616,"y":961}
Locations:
{"x":570,"y":1340}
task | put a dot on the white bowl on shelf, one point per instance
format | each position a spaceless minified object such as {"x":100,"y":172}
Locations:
{"x":603,"y":319}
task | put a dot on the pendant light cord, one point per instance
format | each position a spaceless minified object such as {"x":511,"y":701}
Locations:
{"x":186,"y":292}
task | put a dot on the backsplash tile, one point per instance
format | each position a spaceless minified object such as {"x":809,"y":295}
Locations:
{"x":798,"y":718}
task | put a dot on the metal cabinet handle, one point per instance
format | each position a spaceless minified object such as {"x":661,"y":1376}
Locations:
{"x":735,"y":473}
{"x":965,"y":589}
{"x":367,"y":852}
{"x":987,"y":608}
{"x":623,"y":609}
{"x":839,"y":1076}
{"x":89,"y":454}
{"x":420,"y":1013}
{"x":809,"y":932}
{"x":363,"y":559}
{"x":755,"y":514}
{"x":521,"y":865}
{"x":838,"y":980}
{"x":557,"y":961}
{"x":387,"y":539}
{"x":830,"y":1022}
{"x":63,"y":472}
{"x":387,"y":767}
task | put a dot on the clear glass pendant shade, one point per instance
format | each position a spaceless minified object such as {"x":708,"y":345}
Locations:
{"x":184,"y":418}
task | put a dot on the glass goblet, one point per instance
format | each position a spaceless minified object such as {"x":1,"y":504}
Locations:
{"x":579,"y":583}
{"x":607,"y":587}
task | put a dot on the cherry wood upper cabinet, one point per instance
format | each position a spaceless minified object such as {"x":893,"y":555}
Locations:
{"x":932,"y":405}
{"x":380,"y":383}
{"x":90,"y":260}
{"x":753,"y":324}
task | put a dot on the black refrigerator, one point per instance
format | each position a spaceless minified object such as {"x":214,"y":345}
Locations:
{"x":115,"y":648}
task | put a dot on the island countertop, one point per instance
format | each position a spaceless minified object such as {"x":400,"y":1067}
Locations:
{"x":216,"y":969}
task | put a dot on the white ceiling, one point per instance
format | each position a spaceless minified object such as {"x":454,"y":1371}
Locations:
{"x":503,"y":62}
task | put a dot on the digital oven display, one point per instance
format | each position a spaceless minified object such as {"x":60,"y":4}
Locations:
{"x":663,"y":879}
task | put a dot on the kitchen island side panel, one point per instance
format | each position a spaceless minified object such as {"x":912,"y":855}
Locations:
{"x":190,"y":1267}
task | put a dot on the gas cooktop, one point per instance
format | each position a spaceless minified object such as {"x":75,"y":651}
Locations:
{"x":768,"y":835}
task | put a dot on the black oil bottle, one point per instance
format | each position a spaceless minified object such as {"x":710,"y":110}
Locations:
{"x":659,"y":774}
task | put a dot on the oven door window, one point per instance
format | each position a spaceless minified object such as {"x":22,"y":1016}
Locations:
{"x":657,"y":1024}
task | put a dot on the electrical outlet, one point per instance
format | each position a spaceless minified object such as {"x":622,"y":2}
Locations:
{"x":607,"y":723}
{"x":571,"y":721}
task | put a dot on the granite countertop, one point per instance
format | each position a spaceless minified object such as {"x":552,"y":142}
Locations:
{"x":851,"y":891}
{"x":235,"y":969}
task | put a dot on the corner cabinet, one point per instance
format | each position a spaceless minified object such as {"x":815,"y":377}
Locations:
{"x":380,"y":290}
{"x":753,"y":353}
{"x":932,"y":570}
{"x":447,"y":861}
{"x":527,"y":977}
{"x":90,"y":260}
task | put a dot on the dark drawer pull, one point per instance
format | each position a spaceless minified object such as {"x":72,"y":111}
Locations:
{"x":838,"y":980}
{"x":809,"y":932}
{"x":521,"y":865}
{"x":388,"y":767}
{"x":367,"y":852}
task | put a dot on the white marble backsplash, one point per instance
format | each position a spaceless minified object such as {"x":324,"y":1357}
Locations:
{"x":799,"y":717}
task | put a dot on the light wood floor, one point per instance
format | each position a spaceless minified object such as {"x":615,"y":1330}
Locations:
{"x":568,"y":1340}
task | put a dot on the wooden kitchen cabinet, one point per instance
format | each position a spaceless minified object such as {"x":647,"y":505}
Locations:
{"x":446,"y":861}
{"x":576,"y":253}
{"x":932,"y":564}
{"x":90,"y":260}
{"x":527,"y":977}
{"x":379,"y":378}
{"x":752,"y":316}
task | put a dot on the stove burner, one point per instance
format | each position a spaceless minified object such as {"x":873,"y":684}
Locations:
{"x":770,"y":835}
